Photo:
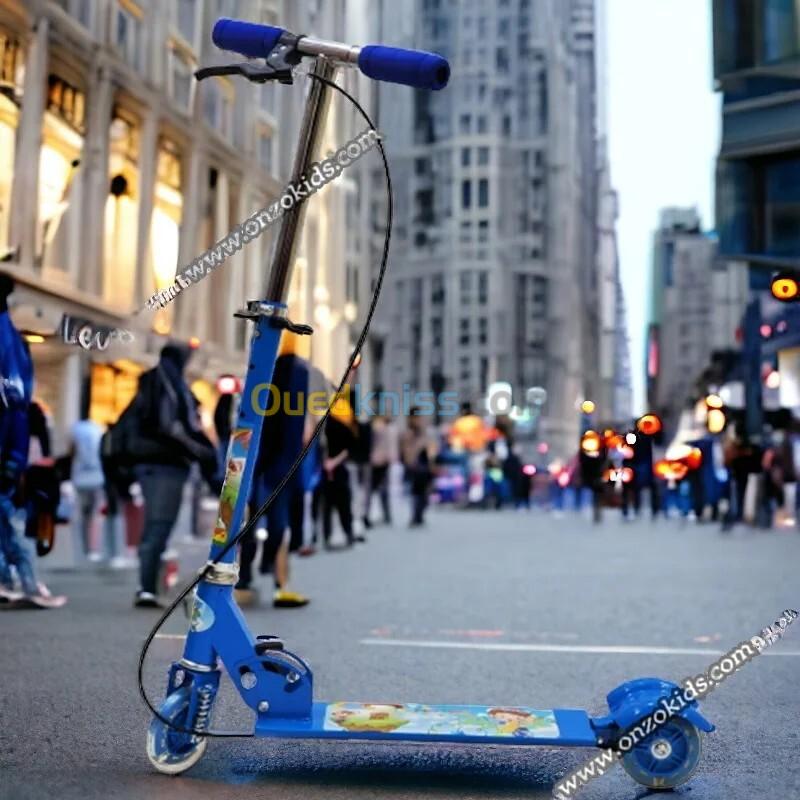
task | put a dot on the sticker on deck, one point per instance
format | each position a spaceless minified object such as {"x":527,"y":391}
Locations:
{"x":441,"y":720}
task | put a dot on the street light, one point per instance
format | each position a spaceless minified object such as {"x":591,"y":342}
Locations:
{"x":649,"y":424}
{"x":587,"y":406}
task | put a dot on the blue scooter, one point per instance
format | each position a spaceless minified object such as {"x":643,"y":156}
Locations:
{"x":274,"y":682}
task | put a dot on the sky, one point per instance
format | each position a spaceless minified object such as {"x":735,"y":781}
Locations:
{"x":663,"y":121}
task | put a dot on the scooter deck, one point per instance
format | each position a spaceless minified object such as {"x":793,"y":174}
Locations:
{"x":436,"y":723}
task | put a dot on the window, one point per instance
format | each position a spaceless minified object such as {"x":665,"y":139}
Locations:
{"x":187,"y":19}
{"x":483,"y":330}
{"x":437,"y":290}
{"x":465,"y":123}
{"x":11,"y":75}
{"x":465,"y":285}
{"x":483,"y":230}
{"x":463,"y":331}
{"x":268,"y":99}
{"x":121,"y":211}
{"x":483,"y":155}
{"x":421,"y":166}
{"x":436,"y":332}
{"x":66,"y":102}
{"x":128,"y":35}
{"x":483,"y":125}
{"x":483,"y":192}
{"x":181,"y":79}
{"x":483,"y":287}
{"x":466,"y":154}
{"x":265,"y":150}
{"x":218,"y":105}
{"x":782,"y":208}
{"x":466,"y":194}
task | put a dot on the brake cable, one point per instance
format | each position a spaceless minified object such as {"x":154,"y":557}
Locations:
{"x":251,"y":523}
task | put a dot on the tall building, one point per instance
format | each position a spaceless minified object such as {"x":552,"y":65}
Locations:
{"x":694,"y":312}
{"x":494,"y":254}
{"x":757,"y":71}
{"x":117,"y":167}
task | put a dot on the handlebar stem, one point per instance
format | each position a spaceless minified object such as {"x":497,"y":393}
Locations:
{"x":310,"y":136}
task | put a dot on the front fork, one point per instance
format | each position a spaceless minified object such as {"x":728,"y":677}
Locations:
{"x":217,"y":627}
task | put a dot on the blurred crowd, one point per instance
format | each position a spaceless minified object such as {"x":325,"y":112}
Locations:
{"x":122,"y":490}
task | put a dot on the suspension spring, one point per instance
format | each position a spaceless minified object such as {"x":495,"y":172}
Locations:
{"x":205,"y":699}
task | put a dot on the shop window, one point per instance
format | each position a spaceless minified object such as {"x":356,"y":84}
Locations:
{"x":57,"y":232}
{"x":11,"y":77}
{"x":165,"y":225}
{"x":122,"y":211}
{"x":111,"y":389}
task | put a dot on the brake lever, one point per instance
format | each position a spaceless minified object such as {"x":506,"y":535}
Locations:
{"x":253,"y":72}
{"x":278,"y":64}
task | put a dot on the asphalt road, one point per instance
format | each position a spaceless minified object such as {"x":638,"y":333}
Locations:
{"x":500,"y":608}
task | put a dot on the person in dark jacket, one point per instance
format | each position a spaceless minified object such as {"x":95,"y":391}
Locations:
{"x":280,"y":445}
{"x":16,"y":389}
{"x":170,"y":439}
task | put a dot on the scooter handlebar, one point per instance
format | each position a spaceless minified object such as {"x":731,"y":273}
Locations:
{"x":393,"y":64}
{"x":247,"y":38}
{"x":410,"y":67}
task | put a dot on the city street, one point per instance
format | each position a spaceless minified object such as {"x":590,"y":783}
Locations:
{"x":479,"y":607}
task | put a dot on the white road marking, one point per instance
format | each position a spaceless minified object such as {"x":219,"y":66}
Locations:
{"x":512,"y":647}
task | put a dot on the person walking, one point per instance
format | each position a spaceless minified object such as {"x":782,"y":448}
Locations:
{"x":87,"y":477}
{"x":16,"y":391}
{"x":169,"y":440}
{"x":338,"y":442}
{"x":419,"y":453}
{"x":383,"y":454}
{"x":280,"y":444}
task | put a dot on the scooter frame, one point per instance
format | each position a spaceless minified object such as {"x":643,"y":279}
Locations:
{"x":278,"y":684}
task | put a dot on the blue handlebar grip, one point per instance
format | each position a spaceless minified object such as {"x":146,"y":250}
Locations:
{"x":247,"y":38}
{"x":410,"y":67}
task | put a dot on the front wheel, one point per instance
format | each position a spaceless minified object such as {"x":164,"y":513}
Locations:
{"x":171,"y":751}
{"x":666,"y":758}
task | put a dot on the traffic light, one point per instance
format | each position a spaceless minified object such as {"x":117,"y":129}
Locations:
{"x":785,"y":287}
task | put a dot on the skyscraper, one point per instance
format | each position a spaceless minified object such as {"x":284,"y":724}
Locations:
{"x":494,"y":260}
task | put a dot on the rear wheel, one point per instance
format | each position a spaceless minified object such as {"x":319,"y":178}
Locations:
{"x":171,"y":751}
{"x":666,"y":758}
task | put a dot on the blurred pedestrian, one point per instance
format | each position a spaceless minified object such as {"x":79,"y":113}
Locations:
{"x":87,"y":478}
{"x":16,"y":390}
{"x":169,"y":440}
{"x":338,"y":442}
{"x":280,"y":444}
{"x":419,"y":455}
{"x":383,"y":454}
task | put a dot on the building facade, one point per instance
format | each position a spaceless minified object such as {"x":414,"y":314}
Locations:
{"x":494,"y":251}
{"x":118,"y":167}
{"x":757,"y":71}
{"x":697,"y":303}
